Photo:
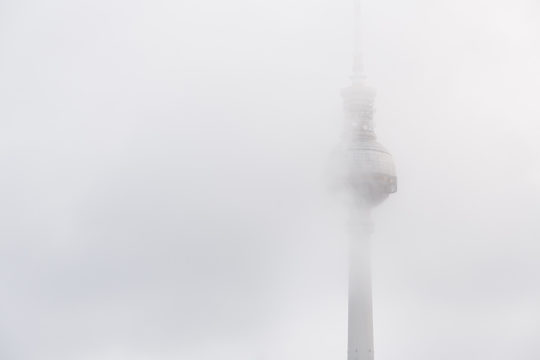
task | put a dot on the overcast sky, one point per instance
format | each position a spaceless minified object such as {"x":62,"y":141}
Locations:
{"x":165,"y":187}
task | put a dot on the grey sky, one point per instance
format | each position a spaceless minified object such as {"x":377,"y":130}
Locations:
{"x":165,"y":187}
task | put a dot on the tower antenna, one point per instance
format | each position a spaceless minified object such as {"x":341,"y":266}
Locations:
{"x":358,"y":61}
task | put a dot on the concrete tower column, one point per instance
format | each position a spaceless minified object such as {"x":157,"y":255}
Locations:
{"x":360,"y":317}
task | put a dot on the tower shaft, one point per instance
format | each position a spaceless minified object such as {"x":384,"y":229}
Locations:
{"x":360,"y":317}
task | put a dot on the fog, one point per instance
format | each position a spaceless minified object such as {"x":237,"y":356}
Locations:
{"x":165,"y":179}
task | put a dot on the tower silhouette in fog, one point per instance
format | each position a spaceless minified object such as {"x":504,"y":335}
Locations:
{"x":370,"y":177}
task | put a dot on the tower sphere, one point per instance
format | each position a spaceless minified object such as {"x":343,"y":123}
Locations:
{"x":371,"y":170}
{"x":371,"y":173}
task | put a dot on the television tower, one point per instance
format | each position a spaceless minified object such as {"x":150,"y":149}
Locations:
{"x":370,"y":178}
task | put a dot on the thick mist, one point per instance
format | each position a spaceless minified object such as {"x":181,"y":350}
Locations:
{"x":166,"y":179}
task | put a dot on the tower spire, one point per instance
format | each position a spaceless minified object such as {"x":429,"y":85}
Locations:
{"x":358,"y":61}
{"x":359,"y":97}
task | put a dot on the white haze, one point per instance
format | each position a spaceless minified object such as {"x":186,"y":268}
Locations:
{"x":164,"y":185}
